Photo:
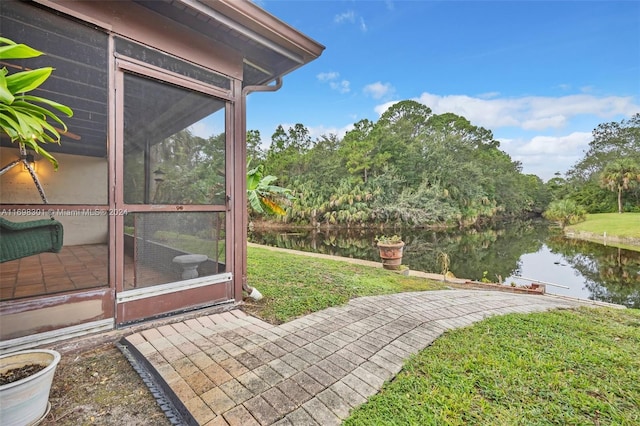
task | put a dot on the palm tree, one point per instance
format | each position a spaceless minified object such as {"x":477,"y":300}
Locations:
{"x":620,"y":175}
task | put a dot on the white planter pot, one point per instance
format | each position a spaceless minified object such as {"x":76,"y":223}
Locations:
{"x":26,"y":402}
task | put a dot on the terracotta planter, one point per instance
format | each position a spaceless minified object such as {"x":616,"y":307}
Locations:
{"x":391,"y":255}
{"x":26,"y":401}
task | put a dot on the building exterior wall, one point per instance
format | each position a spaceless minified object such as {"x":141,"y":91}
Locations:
{"x":92,"y":179}
{"x":80,"y":186}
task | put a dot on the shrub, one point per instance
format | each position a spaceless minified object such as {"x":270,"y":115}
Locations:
{"x":565,"y":212}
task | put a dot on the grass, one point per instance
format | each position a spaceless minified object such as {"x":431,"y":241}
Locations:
{"x":573,"y":367}
{"x":625,"y":225}
{"x":297,"y":285}
{"x":192,"y":244}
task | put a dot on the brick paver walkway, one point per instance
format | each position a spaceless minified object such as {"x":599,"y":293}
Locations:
{"x":234,"y":369}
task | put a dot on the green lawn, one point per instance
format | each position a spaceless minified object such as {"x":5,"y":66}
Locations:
{"x":297,"y":285}
{"x":564,"y":367}
{"x":626,"y":225}
{"x":556,"y":368}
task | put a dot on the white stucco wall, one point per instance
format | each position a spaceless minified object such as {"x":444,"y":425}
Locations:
{"x":79,"y":180}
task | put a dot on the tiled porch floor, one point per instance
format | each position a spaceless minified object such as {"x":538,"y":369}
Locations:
{"x":74,"y":268}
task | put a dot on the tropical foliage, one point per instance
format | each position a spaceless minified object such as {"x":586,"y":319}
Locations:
{"x":264,"y":197}
{"x":24,"y":118}
{"x":565,"y":212}
{"x":612,"y":143}
{"x":411,"y":167}
{"x":619,"y":176}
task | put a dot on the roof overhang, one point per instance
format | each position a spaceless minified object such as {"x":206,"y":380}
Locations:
{"x":270,"y":47}
{"x":231,"y":37}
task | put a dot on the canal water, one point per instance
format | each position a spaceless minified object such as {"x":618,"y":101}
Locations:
{"x":520,"y":249}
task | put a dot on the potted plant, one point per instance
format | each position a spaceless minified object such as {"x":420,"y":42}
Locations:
{"x":25,"y":383}
{"x":390,"y":248}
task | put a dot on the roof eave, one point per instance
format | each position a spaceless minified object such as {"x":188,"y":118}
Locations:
{"x":265,"y":25}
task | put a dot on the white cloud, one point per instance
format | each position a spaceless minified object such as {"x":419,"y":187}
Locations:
{"x":556,"y":121}
{"x":363,"y":25}
{"x":349,"y":16}
{"x":380,"y":109}
{"x":342,"y":86}
{"x":327,"y":76}
{"x":204,"y":130}
{"x":489,"y":95}
{"x":317,"y":131}
{"x":556,"y":145}
{"x":378,"y":89}
{"x":545,"y":155}
{"x":529,"y":112}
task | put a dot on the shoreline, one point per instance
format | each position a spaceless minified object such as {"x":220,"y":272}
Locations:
{"x":627,"y":243}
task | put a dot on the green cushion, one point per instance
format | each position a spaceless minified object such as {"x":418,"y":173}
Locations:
{"x":22,"y":239}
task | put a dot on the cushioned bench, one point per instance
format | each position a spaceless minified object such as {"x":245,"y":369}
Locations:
{"x":22,"y":239}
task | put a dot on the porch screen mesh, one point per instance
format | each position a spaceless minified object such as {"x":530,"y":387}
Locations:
{"x":159,"y":247}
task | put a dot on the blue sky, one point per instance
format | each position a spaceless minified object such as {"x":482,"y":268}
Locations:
{"x":540,"y":74}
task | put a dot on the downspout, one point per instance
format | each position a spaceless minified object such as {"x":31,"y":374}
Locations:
{"x":251,"y":291}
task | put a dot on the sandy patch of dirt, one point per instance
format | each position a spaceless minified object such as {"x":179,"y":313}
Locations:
{"x":99,"y":387}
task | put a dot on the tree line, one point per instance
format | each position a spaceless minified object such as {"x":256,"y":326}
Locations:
{"x":605,"y":180}
{"x":411,"y":167}
{"x":416,"y":168}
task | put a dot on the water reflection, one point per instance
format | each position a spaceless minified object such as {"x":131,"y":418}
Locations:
{"x":529,"y":249}
{"x":610,"y":274}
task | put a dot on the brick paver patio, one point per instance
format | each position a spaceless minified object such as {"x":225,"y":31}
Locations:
{"x":234,"y":369}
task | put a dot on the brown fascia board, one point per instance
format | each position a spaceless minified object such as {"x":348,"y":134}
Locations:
{"x":268,"y":26}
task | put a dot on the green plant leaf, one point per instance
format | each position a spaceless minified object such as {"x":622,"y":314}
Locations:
{"x":252,"y":181}
{"x":26,"y":81}
{"x":17,"y":51}
{"x":267,"y":180}
{"x":254,"y":200}
{"x":21,"y":118}
{"x":60,"y":107}
{"x":38,"y":111}
{"x":6,"y":96}
{"x":9,"y":125}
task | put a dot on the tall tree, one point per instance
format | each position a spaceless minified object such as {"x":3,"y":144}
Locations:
{"x":619,"y":176}
{"x":399,"y":137}
{"x":357,"y":148}
{"x":255,"y":153}
{"x":450,"y":123}
{"x":611,"y":141}
{"x":285,"y":157}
